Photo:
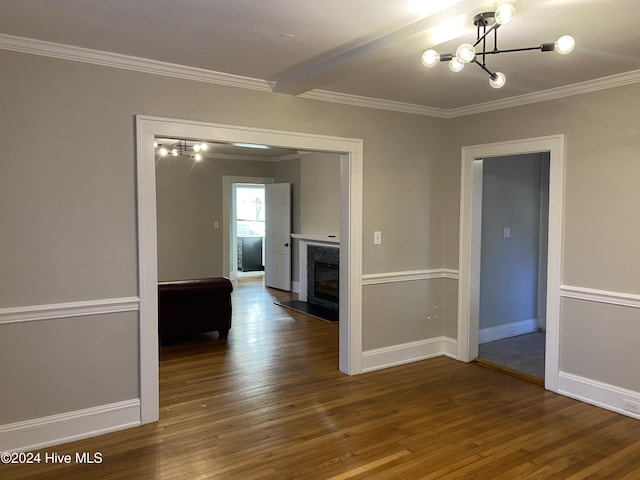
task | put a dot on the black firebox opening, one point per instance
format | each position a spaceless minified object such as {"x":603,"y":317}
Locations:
{"x":326,"y":284}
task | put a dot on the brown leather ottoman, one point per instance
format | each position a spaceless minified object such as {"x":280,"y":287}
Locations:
{"x":188,"y":307}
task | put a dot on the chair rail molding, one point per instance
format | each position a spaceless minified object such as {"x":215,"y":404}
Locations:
{"x":32,"y":313}
{"x":600,"y":296}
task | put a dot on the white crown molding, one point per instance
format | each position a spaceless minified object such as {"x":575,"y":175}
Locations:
{"x":32,"y":313}
{"x":603,"y":83}
{"x":126,"y":62}
{"x":377,"y":103}
{"x":600,"y":296}
{"x":156,"y":67}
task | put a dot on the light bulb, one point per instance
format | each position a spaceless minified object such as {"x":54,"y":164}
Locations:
{"x":155,"y":144}
{"x":174,"y":152}
{"x":455,"y":65}
{"x":196,"y":147}
{"x":466,"y":53}
{"x":505,"y":13}
{"x":163,"y":152}
{"x":197,"y":157}
{"x":497,"y":80}
{"x":204,"y":147}
{"x":430,"y":58}
{"x":565,"y":45}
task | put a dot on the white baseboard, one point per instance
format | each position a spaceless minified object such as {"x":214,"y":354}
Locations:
{"x":408,"y":352}
{"x":597,"y":393}
{"x":70,"y":426}
{"x":507,"y":330}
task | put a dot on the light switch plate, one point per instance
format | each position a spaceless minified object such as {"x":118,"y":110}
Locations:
{"x":377,"y":238}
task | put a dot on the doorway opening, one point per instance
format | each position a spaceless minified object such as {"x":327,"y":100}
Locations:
{"x":470,"y":245}
{"x":248,"y":229}
{"x":513,"y":259}
{"x":350,"y":311}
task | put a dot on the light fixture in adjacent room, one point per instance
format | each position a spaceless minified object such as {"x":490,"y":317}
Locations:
{"x":251,"y":145}
{"x":180,"y":148}
{"x":486,"y":23}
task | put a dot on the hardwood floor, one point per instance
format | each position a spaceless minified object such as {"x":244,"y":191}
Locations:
{"x":270,"y":403}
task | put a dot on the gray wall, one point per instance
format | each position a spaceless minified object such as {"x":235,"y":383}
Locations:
{"x":189,"y":200}
{"x":68,"y":214}
{"x":68,"y":207}
{"x":315,"y":197}
{"x":320,"y":194}
{"x":511,"y":188}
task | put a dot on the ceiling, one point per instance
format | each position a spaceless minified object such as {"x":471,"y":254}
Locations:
{"x":365,"y":48}
{"x":225,"y":151}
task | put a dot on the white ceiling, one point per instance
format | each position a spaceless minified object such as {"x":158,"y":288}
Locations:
{"x":369,"y":48}
{"x":226,"y":151}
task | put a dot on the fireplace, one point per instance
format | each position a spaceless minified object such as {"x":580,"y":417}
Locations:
{"x":323,"y":274}
{"x":326,"y":286}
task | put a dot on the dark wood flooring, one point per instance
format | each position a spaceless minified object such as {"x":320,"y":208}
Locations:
{"x":270,"y":403}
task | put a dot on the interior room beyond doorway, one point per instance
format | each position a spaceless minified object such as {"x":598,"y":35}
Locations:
{"x":249,"y":229}
{"x":513,"y":262}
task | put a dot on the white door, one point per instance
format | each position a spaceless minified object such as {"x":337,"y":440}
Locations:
{"x":277,"y":268}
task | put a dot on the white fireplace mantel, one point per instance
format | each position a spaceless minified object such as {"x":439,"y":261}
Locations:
{"x":316,"y":238}
{"x":304,"y":240}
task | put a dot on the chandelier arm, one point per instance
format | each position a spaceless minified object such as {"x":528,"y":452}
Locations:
{"x":493,"y":52}
{"x":491,"y":74}
{"x":495,"y":26}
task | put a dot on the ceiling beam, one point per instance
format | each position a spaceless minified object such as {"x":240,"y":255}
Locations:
{"x":400,"y":39}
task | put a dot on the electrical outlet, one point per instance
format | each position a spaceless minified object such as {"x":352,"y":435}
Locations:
{"x":630,"y":406}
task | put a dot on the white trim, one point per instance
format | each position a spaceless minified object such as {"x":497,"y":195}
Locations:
{"x":155,"y":67}
{"x":32,"y":313}
{"x":468,"y":285}
{"x":612,"y":81}
{"x":127,"y":62}
{"x":70,"y":426}
{"x":408,"y":276}
{"x":229,"y":255}
{"x":394,"y":355}
{"x":147,"y":127}
{"x":316,"y":238}
{"x":377,"y":103}
{"x":507,"y":330}
{"x":597,"y":393}
{"x":601,"y":296}
{"x":449,"y":347}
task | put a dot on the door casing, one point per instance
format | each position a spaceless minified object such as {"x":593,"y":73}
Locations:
{"x":351,"y":164}
{"x":469,"y":245}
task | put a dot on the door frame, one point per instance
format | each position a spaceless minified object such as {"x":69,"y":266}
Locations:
{"x":469,"y":247}
{"x":351,"y":159}
{"x":228,"y":219}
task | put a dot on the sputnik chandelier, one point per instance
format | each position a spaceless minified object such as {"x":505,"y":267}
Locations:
{"x":487,"y":23}
{"x":181,"y":149}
